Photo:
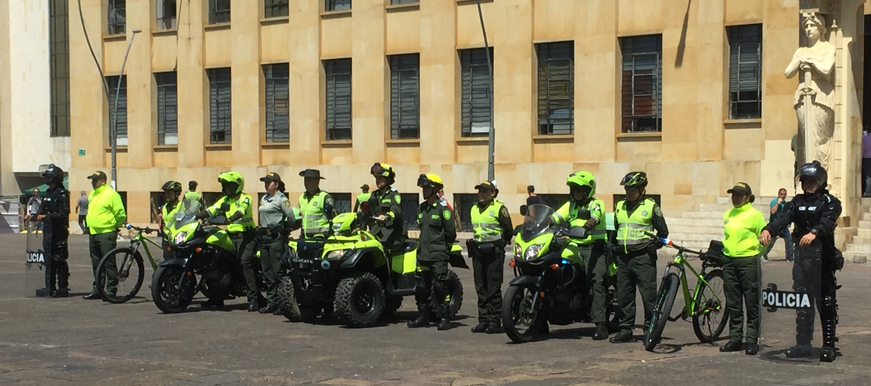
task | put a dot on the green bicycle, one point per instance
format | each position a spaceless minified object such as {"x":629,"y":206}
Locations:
{"x":706,"y":305}
{"x":128,"y":263}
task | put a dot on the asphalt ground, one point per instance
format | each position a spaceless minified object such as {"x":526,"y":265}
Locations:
{"x":74,"y":341}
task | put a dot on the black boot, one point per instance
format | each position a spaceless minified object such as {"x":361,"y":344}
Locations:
{"x":44,"y":292}
{"x":829,"y":316}
{"x":751,"y":349}
{"x":61,"y":293}
{"x":601,"y":332}
{"x":422,"y":318}
{"x":799,"y":351}
{"x":481,"y":327}
{"x":495,"y":328}
{"x":253,"y":306}
{"x":444,"y":324}
{"x":622,"y":337}
{"x":730,"y":347}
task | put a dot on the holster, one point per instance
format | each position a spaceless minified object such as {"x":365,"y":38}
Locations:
{"x":472,"y":247}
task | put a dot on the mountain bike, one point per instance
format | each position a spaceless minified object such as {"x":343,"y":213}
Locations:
{"x":128,"y":263}
{"x":706,"y":305}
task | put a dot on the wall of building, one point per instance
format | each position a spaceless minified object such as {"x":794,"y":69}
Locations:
{"x":698,"y":156}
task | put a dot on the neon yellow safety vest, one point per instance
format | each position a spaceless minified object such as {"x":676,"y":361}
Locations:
{"x":314,"y":220}
{"x":240,"y":204}
{"x":486,"y":223}
{"x":596,"y":207}
{"x":635,"y":229}
{"x":363,"y":197}
{"x":169,"y":218}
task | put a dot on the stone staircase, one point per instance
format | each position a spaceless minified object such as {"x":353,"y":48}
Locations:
{"x":859,"y":248}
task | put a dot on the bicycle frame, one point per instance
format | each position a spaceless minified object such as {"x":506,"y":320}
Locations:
{"x":136,"y":242}
{"x":690,"y":302}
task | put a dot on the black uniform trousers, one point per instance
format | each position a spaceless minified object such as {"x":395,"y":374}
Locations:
{"x":271,"y":244}
{"x":246,"y":252}
{"x":488,"y":262}
{"x":635,"y":269}
{"x":431,"y":277}
{"x":742,"y":279}
{"x":55,"y":254}
{"x":815,"y":274}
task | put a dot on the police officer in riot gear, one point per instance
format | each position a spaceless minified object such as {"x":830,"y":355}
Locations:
{"x":815,"y":214}
{"x":55,"y":212}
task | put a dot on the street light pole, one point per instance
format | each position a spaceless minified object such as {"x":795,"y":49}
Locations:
{"x":491,"y":133}
{"x":113,"y":132}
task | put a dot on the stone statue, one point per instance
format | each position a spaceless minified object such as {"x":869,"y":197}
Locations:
{"x":815,"y":97}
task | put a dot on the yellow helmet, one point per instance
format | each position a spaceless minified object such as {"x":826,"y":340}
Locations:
{"x":430,"y":180}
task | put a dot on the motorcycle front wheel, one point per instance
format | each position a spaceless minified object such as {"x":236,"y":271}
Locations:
{"x":171,"y":289}
{"x":520,"y":320}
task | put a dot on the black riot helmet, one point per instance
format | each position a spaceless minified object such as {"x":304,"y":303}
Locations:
{"x":53,"y":174}
{"x":814,"y":171}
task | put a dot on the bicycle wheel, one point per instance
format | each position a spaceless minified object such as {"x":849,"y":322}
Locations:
{"x":126,"y":266}
{"x":711,"y":317}
{"x":664,"y":302}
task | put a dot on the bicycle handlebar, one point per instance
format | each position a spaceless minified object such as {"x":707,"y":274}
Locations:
{"x":145,"y":230}
{"x":670,"y":243}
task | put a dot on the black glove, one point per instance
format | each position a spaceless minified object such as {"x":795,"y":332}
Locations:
{"x":203,"y":214}
{"x":658,"y":243}
{"x":235,"y":216}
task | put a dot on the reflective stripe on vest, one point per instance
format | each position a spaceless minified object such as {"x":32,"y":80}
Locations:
{"x":314,"y":220}
{"x":486,"y":223}
{"x":598,"y":232}
{"x":634,"y":229}
{"x":169,"y":218}
{"x":242,"y":224}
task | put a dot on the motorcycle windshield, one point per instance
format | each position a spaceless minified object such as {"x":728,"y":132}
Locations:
{"x":187,"y":213}
{"x":538,"y":219}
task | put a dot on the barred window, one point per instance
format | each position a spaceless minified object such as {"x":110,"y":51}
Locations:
{"x":337,"y":5}
{"x":60,"y":64}
{"x":476,"y":92}
{"x":119,"y":114}
{"x":338,"y":98}
{"x":409,"y":203}
{"x":277,"y":102}
{"x":116,"y":17}
{"x":641,"y":91}
{"x":220,"y":108}
{"x":556,"y":88}
{"x":167,"y":108}
{"x":745,"y":71}
{"x":219,"y":11}
{"x":403,"y":1}
{"x":274,"y":8}
{"x":404,"y":96}
{"x":166,"y":15}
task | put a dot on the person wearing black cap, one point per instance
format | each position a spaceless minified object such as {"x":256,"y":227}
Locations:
{"x":314,"y":205}
{"x":362,"y":197}
{"x":54,"y":213}
{"x":742,"y":274}
{"x":493,"y":231}
{"x":385,"y":220}
{"x":275,"y":213}
{"x":106,"y":215}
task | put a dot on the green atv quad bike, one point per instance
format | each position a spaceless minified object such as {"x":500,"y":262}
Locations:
{"x":348,"y":274}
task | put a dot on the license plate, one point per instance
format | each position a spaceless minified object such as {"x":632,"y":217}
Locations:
{"x":304,"y":261}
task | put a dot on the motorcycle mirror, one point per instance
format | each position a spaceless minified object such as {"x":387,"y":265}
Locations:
{"x":517,"y":229}
{"x":584,"y":214}
{"x":577,"y":232}
{"x":523,"y":210}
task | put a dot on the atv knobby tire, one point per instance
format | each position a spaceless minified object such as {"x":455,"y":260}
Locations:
{"x":287,"y":300}
{"x":359,"y":300}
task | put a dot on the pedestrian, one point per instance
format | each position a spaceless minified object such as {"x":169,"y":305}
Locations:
{"x":742,"y":273}
{"x":237,"y":207}
{"x":385,"y":211}
{"x":362,"y":197}
{"x":585,"y":210}
{"x":82,"y":211}
{"x":54,"y":214}
{"x":777,"y":207}
{"x":192,"y":195}
{"x":171,"y":193}
{"x":437,"y":235}
{"x":313,"y":205}
{"x":33,"y":205}
{"x":444,"y":200}
{"x":636,"y":218}
{"x":866,"y":162}
{"x":276,"y":213}
{"x":815,"y":214}
{"x":106,"y":215}
{"x":533,"y":198}
{"x":493,"y":231}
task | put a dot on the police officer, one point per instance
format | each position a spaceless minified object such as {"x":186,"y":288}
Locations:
{"x":362,"y":197}
{"x":106,"y":215}
{"x":54,"y":212}
{"x":313,"y":205}
{"x":585,"y":210}
{"x":437,"y":235}
{"x":493,"y":231}
{"x":192,"y":195}
{"x":275,"y":214}
{"x":171,"y":193}
{"x":741,"y":271}
{"x":385,"y":220}
{"x":636,"y":217}
{"x":815,"y":213}
{"x":236,"y":205}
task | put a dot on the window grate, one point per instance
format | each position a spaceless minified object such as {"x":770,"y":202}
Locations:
{"x":60,"y":64}
{"x":405,"y":96}
{"x":745,"y":71}
{"x":338,"y":99}
{"x":556,"y":88}
{"x":277,"y":102}
{"x":121,"y":120}
{"x":219,"y":11}
{"x":116,"y":17}
{"x":337,"y":5}
{"x":476,"y":102}
{"x":409,"y":203}
{"x":220,"y":108}
{"x":404,"y":1}
{"x":167,"y":108}
{"x":641,"y":92}
{"x":275,"y":8}
{"x":166,"y":15}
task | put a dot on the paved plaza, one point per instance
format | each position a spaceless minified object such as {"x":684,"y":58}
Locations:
{"x":74,"y":341}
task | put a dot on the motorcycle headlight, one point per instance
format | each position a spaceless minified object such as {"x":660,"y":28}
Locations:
{"x":337,"y":254}
{"x":517,"y":251}
{"x":180,"y":237}
{"x":532,"y":252}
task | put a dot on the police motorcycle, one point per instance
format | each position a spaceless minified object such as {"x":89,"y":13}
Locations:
{"x":551,"y":282}
{"x":350,"y":275}
{"x":201,"y":249}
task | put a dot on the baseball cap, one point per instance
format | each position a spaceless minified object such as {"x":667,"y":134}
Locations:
{"x":271,"y":176}
{"x":741,"y":188}
{"x":98,"y":175}
{"x":488,"y":185}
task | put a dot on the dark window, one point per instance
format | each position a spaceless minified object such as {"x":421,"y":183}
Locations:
{"x":463,"y":203}
{"x":405,"y":96}
{"x":274,"y":8}
{"x":403,"y":1}
{"x":277,"y":102}
{"x":556,"y":88}
{"x":210,"y":198}
{"x":167,"y":108}
{"x":166,"y":15}
{"x":342,"y":202}
{"x":745,"y":71}
{"x":60,"y":64}
{"x":337,"y":5}
{"x":220,"y":108}
{"x":116,"y":17}
{"x":642,"y":83}
{"x":219,"y":11}
{"x":409,"y":205}
{"x":120,"y":115}
{"x":338,"y":98}
{"x":554,"y":201}
{"x":476,"y":92}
